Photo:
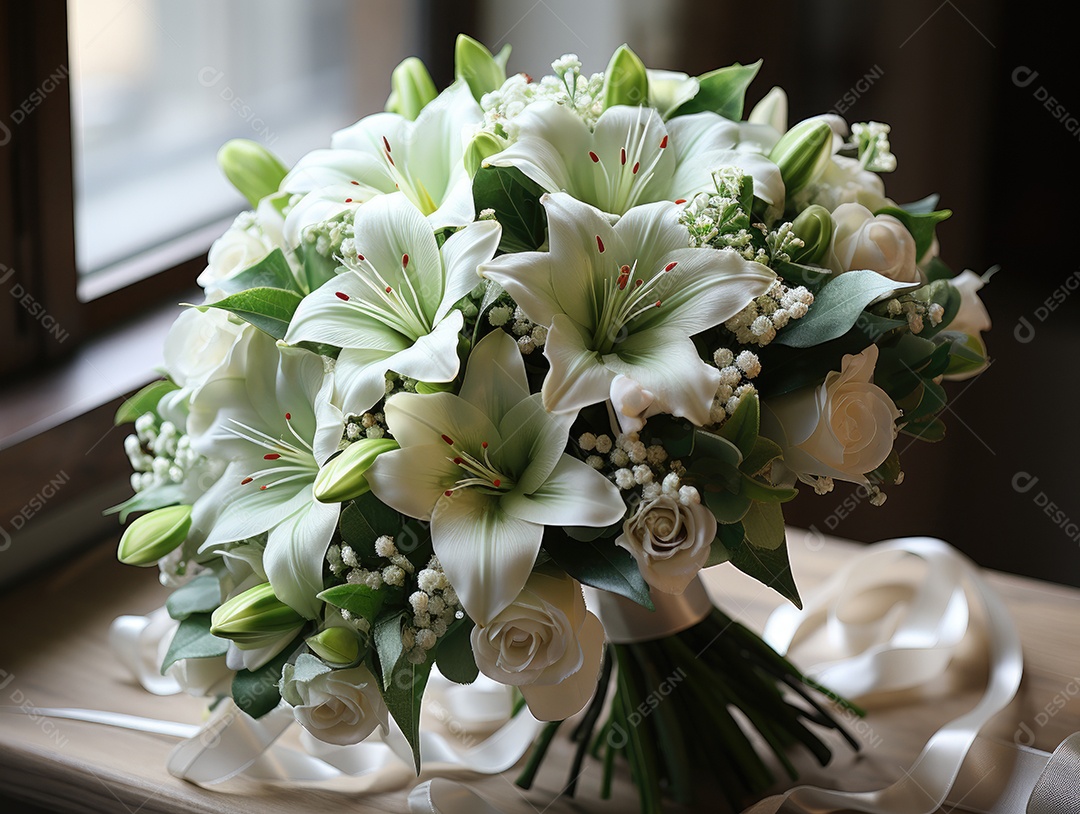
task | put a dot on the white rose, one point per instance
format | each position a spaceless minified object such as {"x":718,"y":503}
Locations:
{"x":545,"y":643}
{"x":845,"y":181}
{"x":336,"y":706}
{"x":881,"y":243}
{"x":842,"y":429}
{"x":669,"y":540}
{"x":243,"y":245}
{"x":200,"y":346}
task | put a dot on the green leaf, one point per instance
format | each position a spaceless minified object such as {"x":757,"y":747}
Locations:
{"x":268,"y":309}
{"x":923,"y":206}
{"x":516,"y":201}
{"x":770,"y":567}
{"x":936,"y":269}
{"x":727,"y":534}
{"x":758,"y":490}
{"x":364,"y":521}
{"x":800,"y":274}
{"x":599,"y":563}
{"x":714,"y":449}
{"x":722,"y":91}
{"x":763,"y":454}
{"x":837,"y":307}
{"x":193,"y":640}
{"x":403,"y":695}
{"x":726,"y":506}
{"x":931,"y":431}
{"x":272,"y":271}
{"x":201,"y":595}
{"x":454,"y":655}
{"x":359,"y":600}
{"x":256,"y":692}
{"x":156,"y":497}
{"x":889,"y":470}
{"x":387,"y":635}
{"x":921,"y":225}
{"x":743,"y":427}
{"x":965,"y":352}
{"x":764,"y":525}
{"x":145,"y":401}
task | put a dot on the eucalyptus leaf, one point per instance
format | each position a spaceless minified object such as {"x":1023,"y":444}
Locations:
{"x":193,"y":640}
{"x":145,"y":401}
{"x":387,"y":635}
{"x":358,"y":600}
{"x":599,"y":563}
{"x":763,"y":454}
{"x":201,"y":595}
{"x":760,"y":491}
{"x":403,"y":695}
{"x":931,"y":431}
{"x":268,"y":309}
{"x":837,"y":306}
{"x":257,"y":692}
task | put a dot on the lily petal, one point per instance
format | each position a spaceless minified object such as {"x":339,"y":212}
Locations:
{"x":495,"y":377}
{"x":551,"y":142}
{"x":419,"y":420}
{"x":577,"y":377}
{"x":530,"y":433}
{"x":413,"y":479}
{"x":574,"y":494}
{"x":486,"y":554}
{"x":296,"y":553}
{"x":462,"y":255}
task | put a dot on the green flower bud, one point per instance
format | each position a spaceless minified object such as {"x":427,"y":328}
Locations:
{"x":335,"y":645}
{"x":152,"y":536}
{"x":625,"y":80}
{"x":411,"y":87}
{"x":427,"y":388}
{"x":802,"y":153}
{"x":342,"y":478}
{"x":814,"y":227}
{"x":251,"y":168}
{"x":256,"y":618}
{"x":771,"y":110}
{"x":475,"y":64}
{"x":483,"y":145}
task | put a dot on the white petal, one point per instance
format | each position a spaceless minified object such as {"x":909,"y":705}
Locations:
{"x":412,"y":479}
{"x":577,"y":377}
{"x":574,"y":494}
{"x":633,"y":167}
{"x":418,"y":420}
{"x":457,"y":208}
{"x":486,"y":554}
{"x":323,"y":316}
{"x":554,"y":702}
{"x":296,"y":553}
{"x":321,"y":205}
{"x":530,"y":433}
{"x":259,"y":510}
{"x":462,"y":255}
{"x":324,"y":168}
{"x":701,"y":132}
{"x":666,"y":364}
{"x":670,"y":89}
{"x":495,"y":376}
{"x":360,"y":378}
{"x":528,"y":278}
{"x":552,"y":142}
{"x":432,"y":357}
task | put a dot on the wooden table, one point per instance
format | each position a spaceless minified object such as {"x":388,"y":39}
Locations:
{"x":54,"y":653}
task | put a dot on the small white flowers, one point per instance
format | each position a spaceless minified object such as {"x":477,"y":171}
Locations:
{"x":758,"y":323}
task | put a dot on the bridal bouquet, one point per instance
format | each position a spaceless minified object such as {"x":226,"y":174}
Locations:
{"x":519,"y":337}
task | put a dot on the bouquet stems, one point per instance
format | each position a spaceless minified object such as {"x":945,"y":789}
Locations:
{"x":683,"y":707}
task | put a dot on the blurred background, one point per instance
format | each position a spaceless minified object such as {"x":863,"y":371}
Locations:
{"x":111,"y":112}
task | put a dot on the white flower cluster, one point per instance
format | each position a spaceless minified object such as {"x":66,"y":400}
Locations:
{"x":345,"y":563}
{"x":759,"y":321}
{"x":584,"y":96}
{"x":332,"y":238}
{"x":368,"y":425}
{"x":718,"y":219}
{"x":530,"y":335}
{"x":735,"y":375}
{"x":915,"y":312}
{"x":872,"y":141}
{"x":435,"y":607}
{"x":159,"y":453}
{"x":631,"y":464}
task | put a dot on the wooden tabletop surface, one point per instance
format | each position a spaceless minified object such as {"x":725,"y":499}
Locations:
{"x":54,"y":653}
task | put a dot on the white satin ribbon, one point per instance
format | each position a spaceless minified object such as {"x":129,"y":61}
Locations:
{"x":626,"y":622}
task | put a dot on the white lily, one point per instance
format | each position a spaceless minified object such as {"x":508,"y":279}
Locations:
{"x":275,"y":423}
{"x":625,"y":299}
{"x":386,"y":152}
{"x":632,"y":157}
{"x":488,"y":469}
{"x":393,"y":308}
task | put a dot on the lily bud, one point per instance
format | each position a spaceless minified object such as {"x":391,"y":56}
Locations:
{"x":814,"y":227}
{"x":251,"y":168}
{"x":427,"y":388}
{"x":475,"y":64}
{"x":771,"y":110}
{"x":411,"y":87}
{"x":335,"y":645}
{"x":342,"y":478}
{"x":802,"y":153}
{"x":625,"y":81}
{"x":152,"y":536}
{"x":254,"y":619}
{"x":482,"y":146}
